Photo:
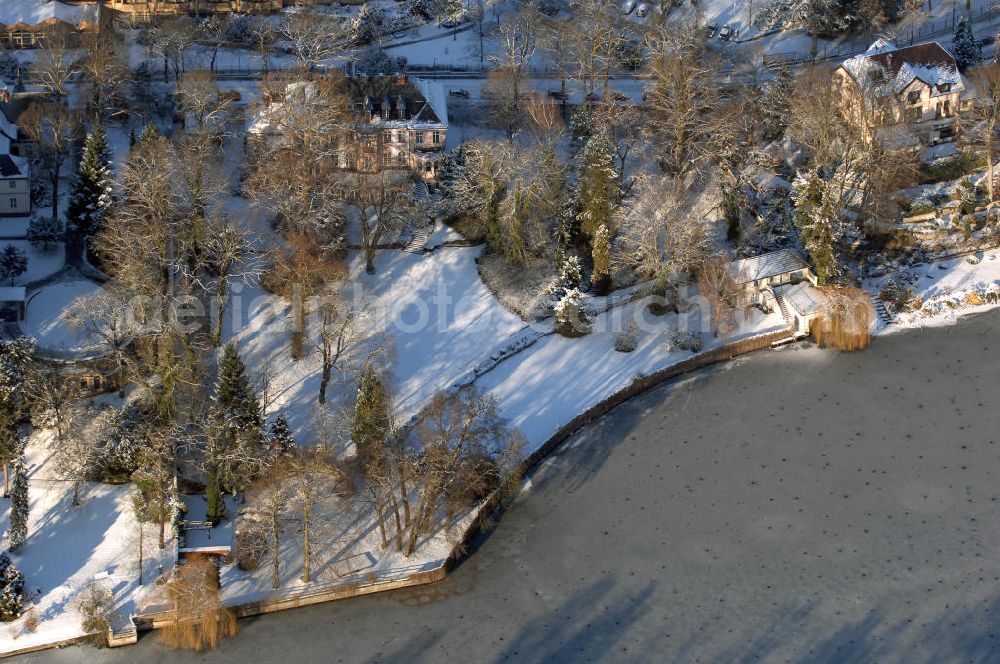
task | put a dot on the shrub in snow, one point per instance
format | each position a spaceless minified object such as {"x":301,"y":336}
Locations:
{"x":11,"y":589}
{"x":571,"y":317}
{"x":121,"y":435}
{"x":895,"y":295}
{"x":44,"y":233}
{"x":251,"y":545}
{"x":627,"y":339}
{"x":96,"y":605}
{"x":678,"y":340}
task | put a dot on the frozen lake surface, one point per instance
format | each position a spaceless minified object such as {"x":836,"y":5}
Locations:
{"x":800,"y":506}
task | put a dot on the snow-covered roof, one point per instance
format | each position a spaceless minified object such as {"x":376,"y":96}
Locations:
{"x":892,"y":68}
{"x":13,"y":168}
{"x":8,"y":133}
{"x":766,"y":266}
{"x":423,"y":103}
{"x":804,"y":298}
{"x":33,"y":12}
{"x":12,"y":294}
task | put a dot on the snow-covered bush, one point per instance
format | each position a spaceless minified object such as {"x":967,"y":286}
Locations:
{"x":369,"y":25}
{"x":895,"y":294}
{"x":11,"y":589}
{"x":251,"y":545}
{"x":121,"y":435}
{"x":44,"y":232}
{"x":96,"y":606}
{"x":678,"y":340}
{"x":571,"y":274}
{"x":627,"y":340}
{"x":571,"y":317}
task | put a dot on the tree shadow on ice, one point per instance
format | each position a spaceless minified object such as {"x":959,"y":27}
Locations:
{"x":591,"y":624}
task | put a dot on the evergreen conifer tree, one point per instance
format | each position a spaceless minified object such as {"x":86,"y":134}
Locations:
{"x":11,"y":589}
{"x":967,"y":50}
{"x":91,"y":196}
{"x":601,"y":254}
{"x":235,"y":400}
{"x":13,"y":263}
{"x":816,"y":217}
{"x":282,"y":441}
{"x":598,"y":183}
{"x":216,"y":510}
{"x":18,"y":530}
{"x":773,"y":105}
{"x":372,"y":419}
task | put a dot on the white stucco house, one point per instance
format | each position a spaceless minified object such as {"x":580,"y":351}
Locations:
{"x":757,"y":276}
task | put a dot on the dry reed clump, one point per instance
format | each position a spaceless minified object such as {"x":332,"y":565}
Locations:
{"x":199,"y":620}
{"x":846,"y":319}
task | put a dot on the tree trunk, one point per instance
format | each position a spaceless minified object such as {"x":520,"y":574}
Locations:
{"x":220,"y":301}
{"x":56,"y":169}
{"x":275,"y":578}
{"x":142,"y":528}
{"x":6,"y":478}
{"x":399,"y":525}
{"x":380,"y":514}
{"x":76,"y":493}
{"x":989,"y":162}
{"x":327,"y":368}
{"x":306,"y":548}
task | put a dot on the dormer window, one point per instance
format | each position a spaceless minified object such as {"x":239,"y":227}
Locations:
{"x":875,"y":76}
{"x":944,"y":87}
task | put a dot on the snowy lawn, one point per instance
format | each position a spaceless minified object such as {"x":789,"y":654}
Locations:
{"x":68,"y":545}
{"x":558,"y":378}
{"x":41,"y":264}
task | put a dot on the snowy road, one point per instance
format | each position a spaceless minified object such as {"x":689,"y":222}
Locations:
{"x":799,"y":505}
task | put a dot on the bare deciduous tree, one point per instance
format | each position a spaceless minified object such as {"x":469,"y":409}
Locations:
{"x":53,"y":126}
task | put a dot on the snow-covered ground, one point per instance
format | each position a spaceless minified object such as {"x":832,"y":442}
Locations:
{"x":946,"y":290}
{"x":67,"y":546}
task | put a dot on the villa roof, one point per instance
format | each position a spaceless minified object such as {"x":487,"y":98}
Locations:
{"x":896,"y":68}
{"x":766,"y":266}
{"x":35,"y":12}
{"x":12,"y":167}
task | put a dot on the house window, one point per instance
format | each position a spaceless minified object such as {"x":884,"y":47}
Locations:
{"x":13,"y":203}
{"x":388,"y":137}
{"x":944,"y":87}
{"x":400,"y":138}
{"x":420,"y":138}
{"x":875,"y":75}
{"x":436,"y":138}
{"x":913,"y":97}
{"x":914,"y":115}
{"x":11,"y":184}
{"x":401,"y":158}
{"x":428,"y":166}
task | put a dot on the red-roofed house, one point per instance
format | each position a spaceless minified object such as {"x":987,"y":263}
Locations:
{"x":918,"y":86}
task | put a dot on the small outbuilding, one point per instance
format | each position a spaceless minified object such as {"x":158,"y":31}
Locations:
{"x":12,"y":304}
{"x":804,"y":304}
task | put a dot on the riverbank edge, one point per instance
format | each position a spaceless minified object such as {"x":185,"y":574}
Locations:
{"x":487,"y":511}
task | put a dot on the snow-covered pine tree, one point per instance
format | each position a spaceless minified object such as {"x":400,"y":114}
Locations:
{"x":91,"y":196}
{"x":369,"y":25}
{"x":773,"y":104}
{"x":238,"y":446}
{"x":571,"y":274}
{"x":15,"y":360}
{"x":11,"y":589}
{"x":967,"y":50}
{"x":571,"y":317}
{"x":816,"y":218}
{"x":598,"y":183}
{"x":13,"y":263}
{"x":282,"y":441}
{"x":17,"y":532}
{"x":372,"y":417}
{"x":601,"y":254}
{"x":44,"y":232}
{"x":235,"y":400}
{"x":121,"y":438}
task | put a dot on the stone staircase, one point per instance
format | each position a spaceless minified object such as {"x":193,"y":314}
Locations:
{"x":421,"y":231}
{"x":884,"y":317}
{"x":783,"y":308}
{"x":419,"y":239}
